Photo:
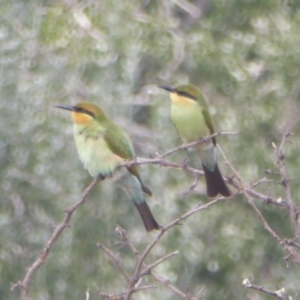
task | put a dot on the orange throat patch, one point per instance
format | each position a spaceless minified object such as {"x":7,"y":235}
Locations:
{"x":81,"y":118}
{"x":177,"y":99}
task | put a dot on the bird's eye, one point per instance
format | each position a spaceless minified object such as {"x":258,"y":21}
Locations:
{"x":187,"y":95}
{"x":83,"y":110}
{"x":183,"y":93}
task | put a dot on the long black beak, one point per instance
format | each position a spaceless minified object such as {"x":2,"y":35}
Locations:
{"x":66,"y":107}
{"x":167,"y":88}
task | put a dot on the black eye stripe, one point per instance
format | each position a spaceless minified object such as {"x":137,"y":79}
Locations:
{"x":186,"y":94}
{"x":84,"y":111}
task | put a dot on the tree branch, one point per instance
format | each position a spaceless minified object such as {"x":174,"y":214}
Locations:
{"x":280,"y":294}
{"x":56,"y":233}
{"x":147,"y":269}
{"x":287,"y":247}
{"x":116,"y":261}
{"x":285,"y":181}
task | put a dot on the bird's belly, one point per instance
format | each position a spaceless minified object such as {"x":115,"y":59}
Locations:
{"x":96,"y":156}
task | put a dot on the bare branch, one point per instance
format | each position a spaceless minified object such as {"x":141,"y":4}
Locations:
{"x":201,"y":293}
{"x":134,"y":281}
{"x":149,"y":268}
{"x":280,"y":294}
{"x":261,"y":217}
{"x":87,"y":294}
{"x":116,"y":261}
{"x":141,"y":257}
{"x":56,"y":233}
{"x":144,"y":287}
{"x":163,"y":230}
{"x":158,"y":278}
{"x":112,"y":296}
{"x":186,"y":146}
{"x":174,"y":289}
{"x":260,"y":181}
{"x":292,"y":243}
{"x":192,"y":186}
{"x":285,"y":181}
{"x":195,"y":172}
{"x":126,"y":241}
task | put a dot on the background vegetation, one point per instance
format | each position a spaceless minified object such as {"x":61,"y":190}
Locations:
{"x":244,"y":54}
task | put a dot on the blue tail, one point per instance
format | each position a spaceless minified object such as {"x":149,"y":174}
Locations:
{"x":131,"y":185}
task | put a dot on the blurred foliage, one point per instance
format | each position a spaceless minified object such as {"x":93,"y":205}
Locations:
{"x":244,"y":54}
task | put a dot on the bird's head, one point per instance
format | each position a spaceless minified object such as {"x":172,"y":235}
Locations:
{"x":184,"y":93}
{"x":187,"y":91}
{"x":84,"y":112}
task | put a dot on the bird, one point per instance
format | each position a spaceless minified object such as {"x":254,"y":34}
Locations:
{"x":102,"y":146}
{"x":191,"y":117}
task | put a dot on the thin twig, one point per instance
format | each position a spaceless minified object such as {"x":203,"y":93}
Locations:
{"x":285,"y":182}
{"x":280,"y":294}
{"x":56,"y":233}
{"x":165,"y":228}
{"x":261,"y":217}
{"x":201,"y":293}
{"x":141,"y":258}
{"x":126,"y":241}
{"x":173,"y":288}
{"x":260,"y":181}
{"x":162,"y":259}
{"x":147,"y":270}
{"x":292,"y":243}
{"x":196,"y":172}
{"x":116,"y":261}
{"x":204,"y":140}
{"x":192,"y":186}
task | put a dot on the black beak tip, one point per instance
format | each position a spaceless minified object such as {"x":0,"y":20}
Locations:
{"x":66,"y":107}
{"x":167,"y":88}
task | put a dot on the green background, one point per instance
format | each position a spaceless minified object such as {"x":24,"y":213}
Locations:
{"x":244,"y":54}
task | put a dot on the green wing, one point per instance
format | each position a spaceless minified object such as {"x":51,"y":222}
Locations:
{"x":209,"y":123}
{"x":118,"y":141}
{"x":201,"y":99}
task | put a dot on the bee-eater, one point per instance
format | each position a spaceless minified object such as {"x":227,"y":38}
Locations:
{"x":102,"y":145}
{"x":190,"y":114}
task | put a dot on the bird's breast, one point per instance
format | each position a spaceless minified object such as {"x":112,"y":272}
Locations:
{"x":189,"y":120}
{"x":95,"y":154}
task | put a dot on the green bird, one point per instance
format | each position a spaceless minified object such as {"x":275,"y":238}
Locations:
{"x":102,"y":145}
{"x":190,"y":114}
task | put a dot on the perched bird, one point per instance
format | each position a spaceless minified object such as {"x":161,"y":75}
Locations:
{"x":102,"y":145}
{"x":190,"y":115}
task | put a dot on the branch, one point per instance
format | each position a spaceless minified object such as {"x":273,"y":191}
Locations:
{"x":280,"y":294}
{"x":147,"y":271}
{"x":160,"y":160}
{"x":203,"y":140}
{"x":286,"y":246}
{"x":285,"y":181}
{"x":138,"y":273}
{"x":121,"y":295}
{"x":195,"y":172}
{"x":158,"y":237}
{"x":116,"y":261}
{"x":56,"y":233}
{"x":158,"y":278}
